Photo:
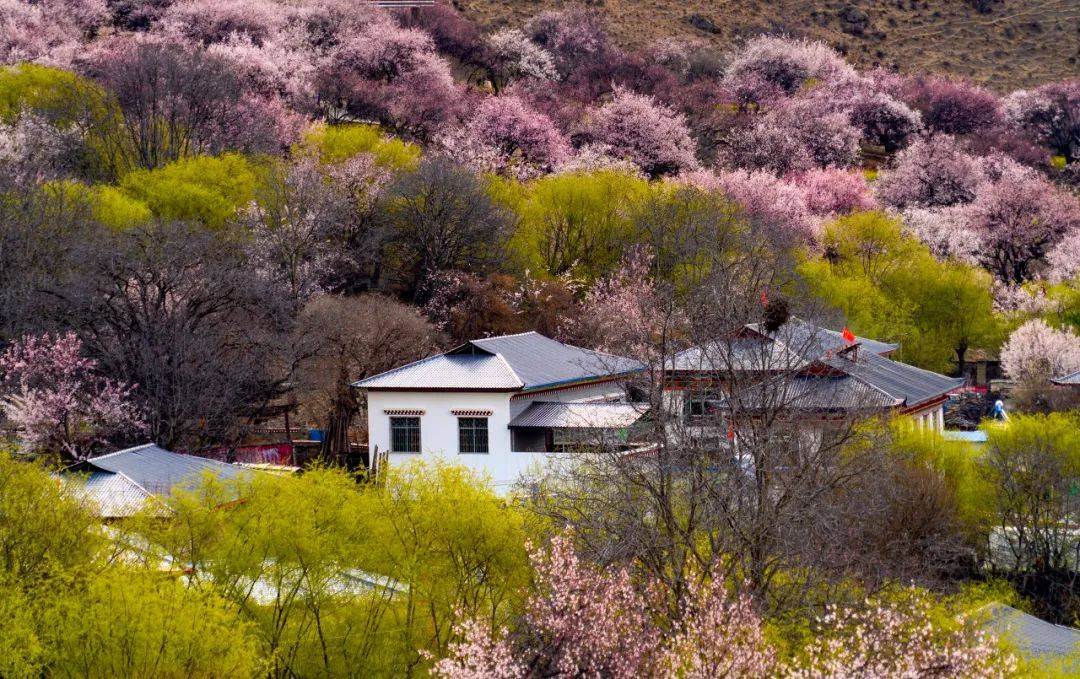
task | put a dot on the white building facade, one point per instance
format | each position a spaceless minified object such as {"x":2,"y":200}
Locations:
{"x":504,"y":406}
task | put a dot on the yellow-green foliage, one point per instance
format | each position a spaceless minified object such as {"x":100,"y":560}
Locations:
{"x":65,"y":99}
{"x":127,"y":623}
{"x":108,"y":205}
{"x":579,"y":223}
{"x":891,"y":287}
{"x":432,"y":540}
{"x":957,"y":464}
{"x":207,"y":189}
{"x":116,"y":209}
{"x":337,"y":143}
{"x":60,"y":96}
{"x":70,"y":610}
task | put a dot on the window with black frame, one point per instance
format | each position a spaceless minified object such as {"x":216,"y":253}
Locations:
{"x":405,"y":434}
{"x":473,"y":434}
{"x":700,"y":403}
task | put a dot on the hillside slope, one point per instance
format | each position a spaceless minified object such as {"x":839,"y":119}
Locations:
{"x":1011,"y":44}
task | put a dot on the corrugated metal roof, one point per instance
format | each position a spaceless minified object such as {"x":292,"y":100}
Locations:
{"x":810,"y":338}
{"x":112,"y":495}
{"x":465,"y":371}
{"x":510,"y":362}
{"x":540,"y":361}
{"x":900,"y":380}
{"x":738,"y":353}
{"x":1068,"y":380}
{"x":1033,"y":636}
{"x":817,"y":393}
{"x":556,"y":415}
{"x":156,"y":470}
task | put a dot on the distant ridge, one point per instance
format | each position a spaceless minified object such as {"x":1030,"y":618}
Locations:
{"x":1005,"y":44}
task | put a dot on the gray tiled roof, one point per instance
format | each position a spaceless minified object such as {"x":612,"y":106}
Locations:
{"x":738,"y":353}
{"x":1033,"y":636}
{"x":792,"y":346}
{"x":579,"y":415}
{"x":467,"y":371}
{"x":510,"y":362}
{"x":1068,"y":380}
{"x":149,"y":468}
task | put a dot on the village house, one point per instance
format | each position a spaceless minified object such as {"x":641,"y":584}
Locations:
{"x":504,"y":405}
{"x":802,"y":368}
{"x":123,"y":483}
{"x":499,"y":405}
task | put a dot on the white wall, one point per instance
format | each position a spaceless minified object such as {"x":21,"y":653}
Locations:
{"x":439,"y":432}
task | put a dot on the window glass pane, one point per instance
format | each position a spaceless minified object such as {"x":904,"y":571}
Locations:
{"x":473,"y":434}
{"x":405,"y":434}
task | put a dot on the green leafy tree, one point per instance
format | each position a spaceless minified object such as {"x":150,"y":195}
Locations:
{"x":456,"y":545}
{"x":577,"y":223}
{"x":338,"y":578}
{"x":206,"y":189}
{"x":338,"y":143}
{"x":67,"y":101}
{"x":891,"y":287}
{"x":124,"y":623}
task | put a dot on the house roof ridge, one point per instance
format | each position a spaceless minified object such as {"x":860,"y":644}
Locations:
{"x":521,"y":382}
{"x":126,"y":450}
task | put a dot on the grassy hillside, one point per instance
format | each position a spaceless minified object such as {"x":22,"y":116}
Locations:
{"x":1009,"y":44}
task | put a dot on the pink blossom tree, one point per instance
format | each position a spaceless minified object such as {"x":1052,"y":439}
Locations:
{"x":638,"y":128}
{"x":951,"y":105}
{"x":944,"y":230}
{"x":505,"y":135}
{"x":788,"y":63}
{"x":1063,"y":260}
{"x":932,"y":172}
{"x":832,"y":191}
{"x":897,"y":640}
{"x":763,"y":146}
{"x":57,"y":400}
{"x":513,"y":56}
{"x":393,"y":75}
{"x":884,"y":121}
{"x":1051,"y":113}
{"x":1036,"y":352}
{"x":584,"y":621}
{"x":1016,"y":220}
{"x":573,"y":36}
{"x":619,"y":314}
{"x":210,"y":22}
{"x":271,"y":68}
{"x":768,"y":201}
{"x":47,"y":33}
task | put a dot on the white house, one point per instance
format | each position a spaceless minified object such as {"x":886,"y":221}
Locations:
{"x":500,"y":405}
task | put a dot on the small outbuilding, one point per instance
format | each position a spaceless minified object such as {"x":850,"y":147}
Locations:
{"x":120,"y":484}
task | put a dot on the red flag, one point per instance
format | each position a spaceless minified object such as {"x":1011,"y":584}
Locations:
{"x":731,"y":431}
{"x":849,"y":336}
{"x":764,"y":299}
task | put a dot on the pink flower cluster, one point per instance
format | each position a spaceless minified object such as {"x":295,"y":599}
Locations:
{"x":584,"y":621}
{"x":57,"y":400}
